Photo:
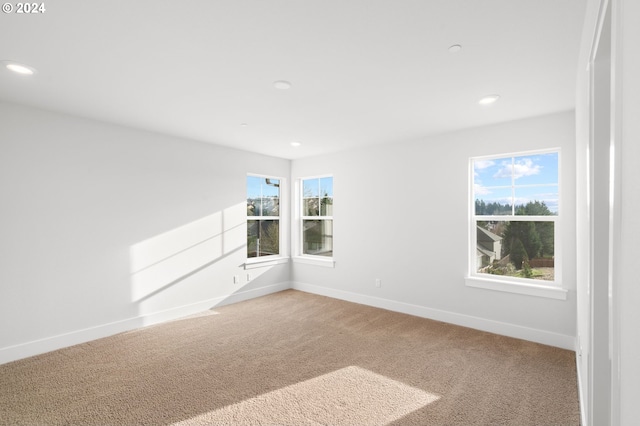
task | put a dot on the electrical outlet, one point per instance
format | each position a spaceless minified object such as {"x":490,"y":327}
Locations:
{"x":248,"y":277}
{"x":378,"y":282}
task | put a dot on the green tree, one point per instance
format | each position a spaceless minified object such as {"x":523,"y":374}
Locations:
{"x":546,"y":233}
{"x":493,"y":208}
{"x":534,"y":208}
{"x":545,"y":230}
{"x":528,"y":237}
{"x":517,"y":253}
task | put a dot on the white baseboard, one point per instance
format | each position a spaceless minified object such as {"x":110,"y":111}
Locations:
{"x":24,"y":350}
{"x":27,"y":349}
{"x":497,"y":327}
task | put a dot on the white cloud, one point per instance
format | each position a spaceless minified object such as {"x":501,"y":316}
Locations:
{"x":482,"y":164}
{"x":480,"y":190}
{"x":523,"y":167}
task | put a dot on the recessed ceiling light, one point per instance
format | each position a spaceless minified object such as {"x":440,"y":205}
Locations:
{"x":282,"y":84}
{"x":19,"y":68}
{"x":244,"y":125}
{"x":489,"y":99}
{"x":295,"y":144}
{"x":455,"y":48}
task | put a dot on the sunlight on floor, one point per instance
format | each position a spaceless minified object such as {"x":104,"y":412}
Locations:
{"x":349,"y":396}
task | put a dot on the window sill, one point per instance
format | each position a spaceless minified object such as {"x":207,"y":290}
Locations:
{"x":264,"y":262}
{"x":327,"y":262}
{"x":517,"y":287}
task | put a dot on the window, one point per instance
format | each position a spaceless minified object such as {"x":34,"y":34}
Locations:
{"x":515,"y":217}
{"x":317,"y":216}
{"x":263,"y":216}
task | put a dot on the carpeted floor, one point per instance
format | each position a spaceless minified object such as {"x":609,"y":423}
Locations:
{"x":293,"y":358}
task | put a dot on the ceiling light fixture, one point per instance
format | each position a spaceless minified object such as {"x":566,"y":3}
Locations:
{"x":455,"y":48}
{"x":489,"y":99}
{"x":19,"y":68}
{"x":282,"y":85}
{"x":295,"y":144}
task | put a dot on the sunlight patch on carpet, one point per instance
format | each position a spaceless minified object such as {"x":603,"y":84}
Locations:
{"x":348,"y":396}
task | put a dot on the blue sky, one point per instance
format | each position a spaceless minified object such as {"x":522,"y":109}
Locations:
{"x":257,"y":187}
{"x":318,"y":187}
{"x":518,"y":180}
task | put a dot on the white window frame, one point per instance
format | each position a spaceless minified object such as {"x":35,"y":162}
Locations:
{"x":300,"y":257}
{"x":526,"y":286}
{"x":282,"y":256}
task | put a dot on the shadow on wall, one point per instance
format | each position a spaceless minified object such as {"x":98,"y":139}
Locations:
{"x":161,"y":262}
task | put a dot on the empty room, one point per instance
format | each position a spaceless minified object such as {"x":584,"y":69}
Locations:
{"x":356,"y":212}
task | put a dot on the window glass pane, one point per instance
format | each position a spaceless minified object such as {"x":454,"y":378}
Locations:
{"x":253,"y":195}
{"x":326,"y":187}
{"x":536,"y":169}
{"x":253,"y":206}
{"x":495,"y":172}
{"x":252,"y":238}
{"x":263,"y":196}
{"x":317,"y":237}
{"x":317,"y":201}
{"x":326,"y":206}
{"x":317,"y":197}
{"x":518,"y":249}
{"x":254,"y":186}
{"x":270,"y":188}
{"x":263,"y":200}
{"x":310,"y":207}
{"x":263,"y":238}
{"x":271,"y":206}
{"x":537,"y":200}
{"x":533,"y":177}
{"x":493,"y":201}
{"x":310,"y":188}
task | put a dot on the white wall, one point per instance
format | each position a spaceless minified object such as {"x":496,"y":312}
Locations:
{"x":626,"y":282}
{"x":104,"y":228}
{"x":401,"y":215}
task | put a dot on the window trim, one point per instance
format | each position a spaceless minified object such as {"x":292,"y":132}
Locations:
{"x":283,"y":255}
{"x":527,"y":286}
{"x":308,"y":259}
{"x":299,"y":257}
{"x":515,"y":286}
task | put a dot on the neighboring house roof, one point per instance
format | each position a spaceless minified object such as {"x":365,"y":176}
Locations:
{"x":483,"y":234}
{"x":486,"y":252}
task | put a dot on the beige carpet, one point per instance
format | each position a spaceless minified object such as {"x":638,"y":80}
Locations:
{"x":294,"y":358}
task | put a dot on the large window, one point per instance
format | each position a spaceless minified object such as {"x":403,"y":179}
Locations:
{"x":317,"y":216}
{"x":263,"y":216}
{"x":515,"y":217}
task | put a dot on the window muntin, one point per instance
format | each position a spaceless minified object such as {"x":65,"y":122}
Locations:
{"x":263,"y":216}
{"x":317,"y":216}
{"x":515,"y":215}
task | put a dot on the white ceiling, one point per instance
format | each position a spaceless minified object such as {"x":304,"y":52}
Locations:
{"x":363,"y":71}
